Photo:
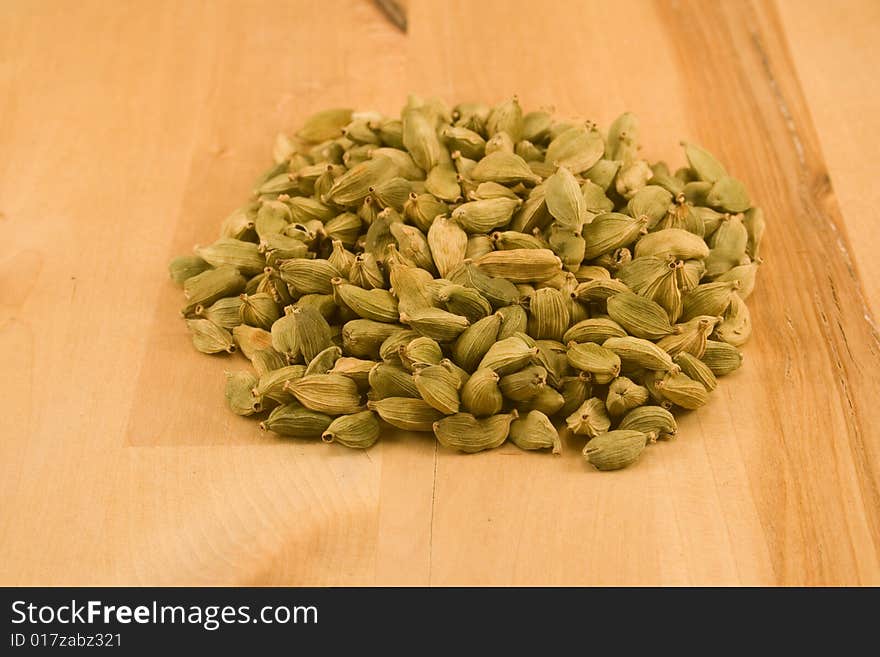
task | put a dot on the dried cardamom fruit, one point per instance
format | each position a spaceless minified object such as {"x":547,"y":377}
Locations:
{"x":358,"y":430}
{"x":469,"y":434}
{"x":535,"y":431}
{"x":615,"y":449}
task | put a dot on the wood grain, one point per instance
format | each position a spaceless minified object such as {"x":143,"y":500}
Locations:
{"x":127,"y":140}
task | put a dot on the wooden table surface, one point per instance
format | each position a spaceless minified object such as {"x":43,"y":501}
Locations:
{"x":129,"y":129}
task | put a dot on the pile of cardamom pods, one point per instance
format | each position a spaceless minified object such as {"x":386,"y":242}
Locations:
{"x":479,"y":273}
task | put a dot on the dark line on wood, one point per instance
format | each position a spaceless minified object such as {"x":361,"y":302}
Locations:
{"x":394,"y":12}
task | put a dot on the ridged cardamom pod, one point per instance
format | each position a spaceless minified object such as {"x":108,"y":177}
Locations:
{"x":568,"y":244}
{"x":549,"y":314}
{"x":576,"y":149}
{"x":722,"y":358}
{"x":487,"y":190}
{"x":564,"y":198}
{"x":325,"y":125}
{"x":354,"y":185}
{"x":435,"y":323}
{"x":552,"y":357}
{"x":509,"y":355}
{"x":507,"y":240}
{"x":536,"y":126}
{"x":413,"y":245}
{"x":602,"y":173}
{"x":356,"y":369}
{"x":209,"y":338}
{"x":589,"y":419}
{"x":323,"y":304}
{"x":596,"y":330}
{"x":745,"y":275}
{"x":521,"y":265}
{"x":575,"y":391}
{"x":624,"y":395}
{"x":464,"y":301}
{"x":533,"y":213}
{"x":438,"y":386}
{"x":736,"y":327}
{"x":535,"y":431}
{"x":531,"y":153}
{"x":473,"y":343}
{"x":703,"y":163}
{"x":708,"y":299}
{"x":754,"y":222}
{"x":690,"y":336}
{"x":333,"y":394}
{"x":422,"y":209}
{"x":690,"y":274}
{"x":728,"y":194}
{"x":392,"y":193}
{"x":599,"y":289}
{"x":266,"y":360}
{"x":309,"y":276}
{"x":615,"y":449}
{"x":251,"y":340}
{"x":639,"y":352}
{"x":273,"y":384}
{"x":409,"y":285}
{"x":448,"y":244}
{"x":610,"y":231}
{"x":244,"y":256}
{"x":632,"y":177}
{"x":679,"y":389}
{"x":469,"y":143}
{"x":480,"y":395}
{"x":358,"y":430}
{"x":376,"y":304}
{"x":505,"y":168}
{"x":672,"y":242}
{"x":258,"y":310}
{"x":225,"y":312}
{"x":602,"y":364}
{"x":731,"y":236}
{"x":514,"y":319}
{"x":323,"y":361}
{"x":365,"y":272}
{"x":469,"y":434}
{"x":485,"y":215}
{"x":443,"y":182}
{"x":697,"y":370}
{"x":211,"y":285}
{"x":341,"y":258}
{"x":420,"y":351}
{"x":506,"y":117}
{"x":363,"y":337}
{"x":391,"y":381}
{"x":295,"y":421}
{"x":184,"y":267}
{"x":405,"y":413}
{"x":499,"y":291}
{"x":420,"y":138}
{"x":650,"y":420}
{"x":651,"y":201}
{"x":641,"y":317}
{"x":548,"y":401}
{"x":623,"y":138}
{"x":239,"y":393}
{"x":524,"y":384}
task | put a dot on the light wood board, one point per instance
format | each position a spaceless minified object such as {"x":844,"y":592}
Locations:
{"x":128,"y":130}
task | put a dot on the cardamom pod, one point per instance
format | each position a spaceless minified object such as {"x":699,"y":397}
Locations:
{"x":615,"y":449}
{"x":469,"y":434}
{"x":535,"y":431}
